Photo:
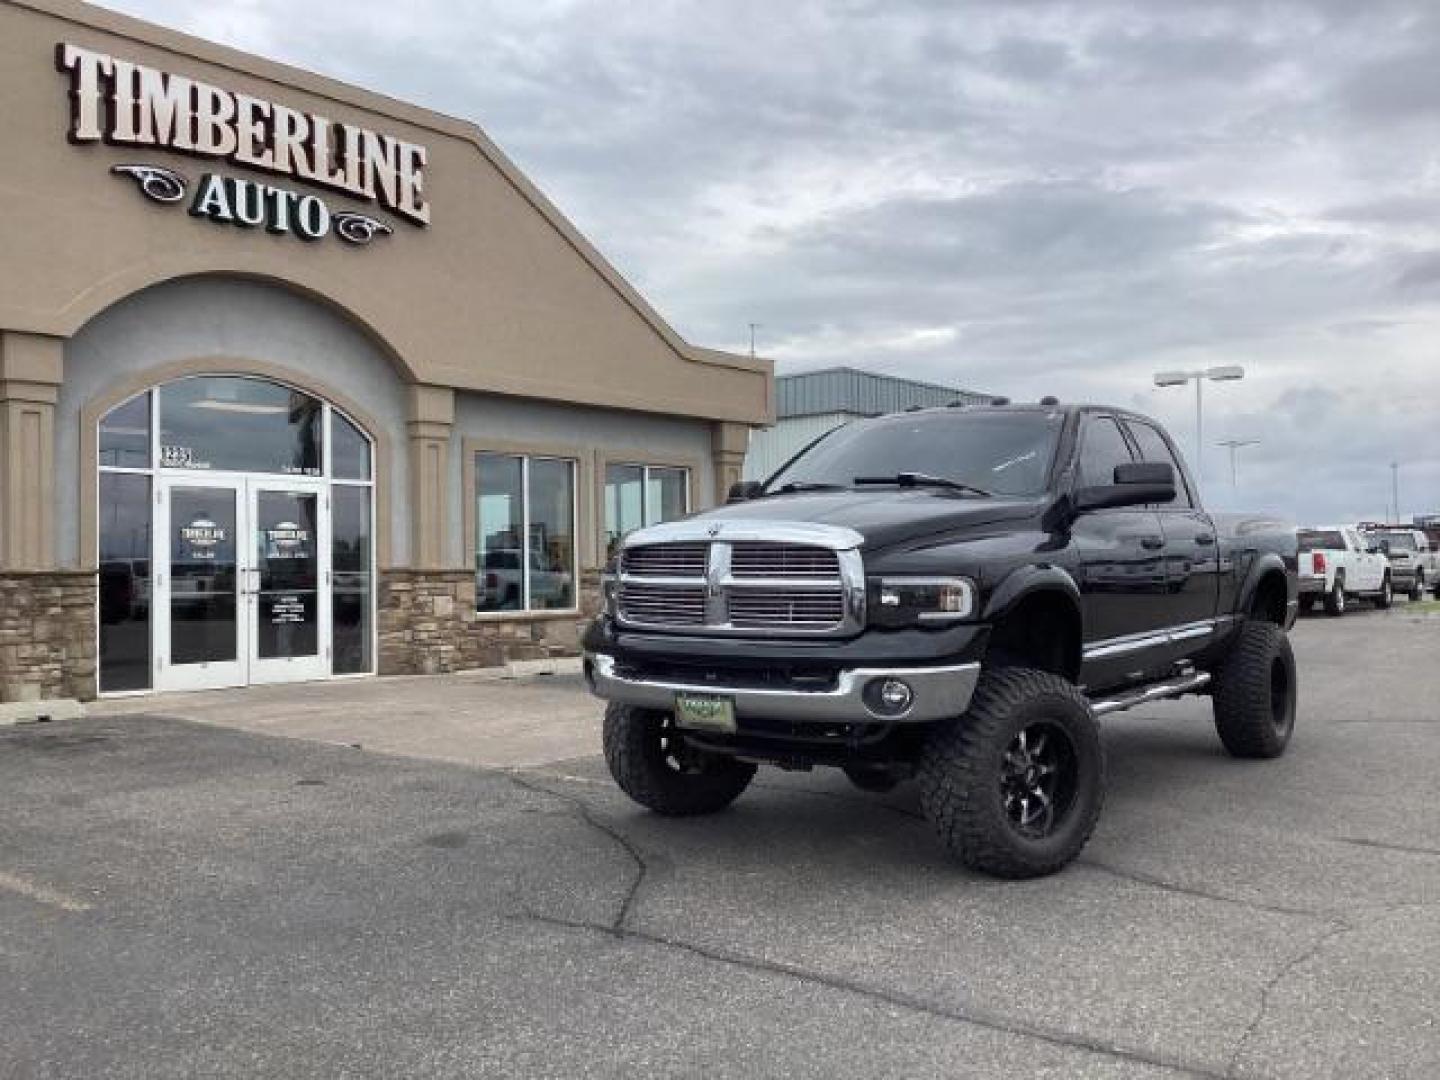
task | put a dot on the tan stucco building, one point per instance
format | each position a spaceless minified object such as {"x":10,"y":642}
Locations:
{"x":298,"y":381}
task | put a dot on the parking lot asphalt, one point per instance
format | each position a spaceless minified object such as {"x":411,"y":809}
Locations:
{"x":180,"y":899}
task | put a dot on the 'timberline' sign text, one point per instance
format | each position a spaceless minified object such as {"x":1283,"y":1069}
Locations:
{"x":127,"y":104}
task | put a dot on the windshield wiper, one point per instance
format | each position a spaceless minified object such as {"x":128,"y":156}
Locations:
{"x":916,"y":479}
{"x":800,"y":485}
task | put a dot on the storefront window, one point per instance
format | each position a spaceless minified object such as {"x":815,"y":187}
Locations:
{"x":124,"y":581}
{"x":351,"y":551}
{"x":638,"y":495}
{"x":525,"y":533}
{"x":125,"y":435}
{"x":231,"y":537}
{"x":240,"y":425}
{"x":349,"y":450}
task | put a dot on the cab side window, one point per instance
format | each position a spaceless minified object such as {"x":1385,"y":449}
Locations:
{"x":1102,"y":447}
{"x":1154,"y":448}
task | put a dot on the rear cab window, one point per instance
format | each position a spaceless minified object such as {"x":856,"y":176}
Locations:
{"x":1321,"y":540}
{"x":1154,"y":448}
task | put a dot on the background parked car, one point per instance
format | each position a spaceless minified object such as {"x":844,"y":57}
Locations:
{"x":1414,"y":564}
{"x":1337,"y":563}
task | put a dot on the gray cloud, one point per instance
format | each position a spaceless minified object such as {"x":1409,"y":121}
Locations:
{"x":1027,"y":197}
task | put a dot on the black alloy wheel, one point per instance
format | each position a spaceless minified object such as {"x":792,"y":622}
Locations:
{"x":1038,"y":777}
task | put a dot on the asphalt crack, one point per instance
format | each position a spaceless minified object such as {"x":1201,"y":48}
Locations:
{"x":1262,"y":1009}
{"x":585,"y":814}
{"x":1360,"y":841}
{"x":1203,"y":894}
{"x":880,"y":995}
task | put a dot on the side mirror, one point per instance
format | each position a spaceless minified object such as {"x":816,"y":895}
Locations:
{"x":1138,"y":483}
{"x":744,"y":490}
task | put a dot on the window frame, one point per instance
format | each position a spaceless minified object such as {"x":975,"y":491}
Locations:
{"x":1088,"y":421}
{"x":1184,"y":496}
{"x":645,"y":467}
{"x":580,"y":517}
{"x":605,"y":456}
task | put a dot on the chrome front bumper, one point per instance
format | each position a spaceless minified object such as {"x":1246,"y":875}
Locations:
{"x":939,"y":692}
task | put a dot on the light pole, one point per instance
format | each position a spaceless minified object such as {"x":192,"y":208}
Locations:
{"x":1223,"y":373}
{"x":1235,"y":444}
{"x":1395,"y":488}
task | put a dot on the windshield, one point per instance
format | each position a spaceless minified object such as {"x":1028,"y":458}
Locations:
{"x":1007,"y":453}
{"x":1321,"y":540}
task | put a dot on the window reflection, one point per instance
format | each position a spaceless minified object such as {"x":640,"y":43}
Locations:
{"x":552,"y":534}
{"x":519,"y":568}
{"x":124,"y":582}
{"x":241,"y":425}
{"x":125,"y":435}
{"x":637,"y":495}
{"x":349,"y":450}
{"x":350,"y":552}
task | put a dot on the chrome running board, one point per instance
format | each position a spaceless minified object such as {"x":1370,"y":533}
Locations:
{"x":1170,"y":688}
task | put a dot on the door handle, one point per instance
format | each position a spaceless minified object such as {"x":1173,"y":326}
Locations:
{"x":1205,"y":539}
{"x":1152,"y":543}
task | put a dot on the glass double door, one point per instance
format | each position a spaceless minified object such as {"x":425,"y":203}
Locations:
{"x":242,"y":583}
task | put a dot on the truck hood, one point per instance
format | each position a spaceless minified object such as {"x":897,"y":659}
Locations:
{"x":884,"y":517}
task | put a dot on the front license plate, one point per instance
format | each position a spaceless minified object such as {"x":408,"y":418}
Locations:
{"x":705,"y":712}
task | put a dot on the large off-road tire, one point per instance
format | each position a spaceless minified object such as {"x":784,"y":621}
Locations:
{"x":1386,"y":596}
{"x":648,"y":758}
{"x":874,"y":778}
{"x":1335,"y":598}
{"x":1307,"y":603}
{"x":1254,"y":693}
{"x":1014,"y":787}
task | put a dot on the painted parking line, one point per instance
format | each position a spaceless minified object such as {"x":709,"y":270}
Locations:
{"x":41,"y":894}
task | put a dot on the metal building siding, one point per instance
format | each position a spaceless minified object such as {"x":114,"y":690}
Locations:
{"x":859,"y":393}
{"x":772,"y":447}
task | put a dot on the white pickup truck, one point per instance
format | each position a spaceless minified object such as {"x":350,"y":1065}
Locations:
{"x":1338,"y":562}
{"x":1414,"y":564}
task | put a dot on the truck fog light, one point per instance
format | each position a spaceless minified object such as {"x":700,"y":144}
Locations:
{"x":889,"y":697}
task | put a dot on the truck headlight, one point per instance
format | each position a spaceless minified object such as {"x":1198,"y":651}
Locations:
{"x":911,"y":601}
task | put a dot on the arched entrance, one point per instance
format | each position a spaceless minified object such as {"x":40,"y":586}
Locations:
{"x":236,"y":537}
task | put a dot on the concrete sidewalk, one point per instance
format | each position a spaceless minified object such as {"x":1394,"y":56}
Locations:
{"x":471,"y":718}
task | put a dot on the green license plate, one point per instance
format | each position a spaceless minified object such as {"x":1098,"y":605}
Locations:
{"x":705,"y":712}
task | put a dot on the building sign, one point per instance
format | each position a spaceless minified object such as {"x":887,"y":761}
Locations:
{"x":203,"y":536}
{"x":122,"y":103}
{"x":287,"y":540}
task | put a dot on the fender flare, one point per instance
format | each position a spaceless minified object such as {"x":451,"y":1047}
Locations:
{"x":1025,"y":582}
{"x":1264,"y":565}
{"x":1046,"y":580}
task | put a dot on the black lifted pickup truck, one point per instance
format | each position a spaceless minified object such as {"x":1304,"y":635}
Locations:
{"x":954,"y":595}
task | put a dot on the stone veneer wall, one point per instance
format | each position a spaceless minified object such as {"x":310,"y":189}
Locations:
{"x":47,"y":635}
{"x":428,"y":625}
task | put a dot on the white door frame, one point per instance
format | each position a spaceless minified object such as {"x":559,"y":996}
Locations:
{"x":289,"y":668}
{"x":247,"y":667}
{"x":215,"y":673}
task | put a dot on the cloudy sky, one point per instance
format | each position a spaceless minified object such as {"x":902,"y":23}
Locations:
{"x":1021,"y":197}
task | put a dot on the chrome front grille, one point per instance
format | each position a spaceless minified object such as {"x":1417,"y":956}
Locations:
{"x":665,"y":560}
{"x":756,"y":559}
{"x":748,"y":584}
{"x":816,"y":610}
{"x":663,"y":605}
